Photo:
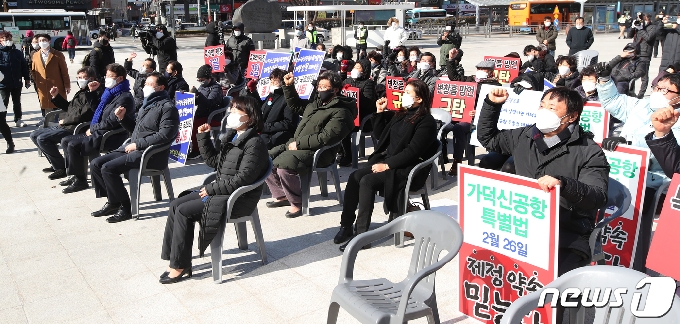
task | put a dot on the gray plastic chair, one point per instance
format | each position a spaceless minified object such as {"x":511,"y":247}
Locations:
{"x":444,"y":117}
{"x":102,"y":147}
{"x":239,"y":224}
{"x":618,"y":196}
{"x":382,"y":301}
{"x":595,"y":277}
{"x":359,"y":142}
{"x":306,"y":179}
{"x":135,"y":177}
{"x":216,"y":130}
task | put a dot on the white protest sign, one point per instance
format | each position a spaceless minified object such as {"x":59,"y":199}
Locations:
{"x":595,"y":119}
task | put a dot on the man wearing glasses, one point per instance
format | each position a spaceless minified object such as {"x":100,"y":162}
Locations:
{"x":636,"y":114}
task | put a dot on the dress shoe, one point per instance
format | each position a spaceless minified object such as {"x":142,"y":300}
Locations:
{"x":454,"y":168}
{"x":57,"y":174}
{"x":123,"y":214}
{"x":278,"y":203}
{"x":48,"y":170}
{"x":342,"y":247}
{"x":75,"y":186}
{"x":168,"y":280}
{"x":107,"y":209}
{"x":10,"y":148}
{"x":164,"y":274}
{"x":68,"y":181}
{"x":344,"y":234}
{"x":295,"y":214}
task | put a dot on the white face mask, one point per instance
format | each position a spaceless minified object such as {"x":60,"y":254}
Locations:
{"x":563,"y":70}
{"x":407,"y":101}
{"x":530,"y":58}
{"x":361,"y":26}
{"x":44,"y":45}
{"x":339,"y":56}
{"x":423,"y":66}
{"x":310,"y":28}
{"x":547,"y":23}
{"x":547,"y":121}
{"x":237,"y":33}
{"x":588,"y":86}
{"x":395,"y":25}
{"x":298,"y":33}
{"x":82,"y":83}
{"x":35,"y":45}
{"x":481,"y":75}
{"x":148,"y":90}
{"x":447,"y":28}
{"x":658,"y":101}
{"x":355,"y":73}
{"x":2,"y":76}
{"x":273,"y":88}
{"x":159,"y":34}
{"x":400,"y":58}
{"x":8,"y":43}
{"x":579,"y":26}
{"x":109,"y":83}
{"x":412,"y":58}
{"x":234,"y":121}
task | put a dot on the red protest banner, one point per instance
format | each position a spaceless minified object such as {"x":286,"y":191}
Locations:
{"x":595,"y":119}
{"x":627,"y":165}
{"x":458,"y":98}
{"x":353,"y":92}
{"x":395,"y":88}
{"x":255,"y":64}
{"x":664,"y":250}
{"x":507,"y":68}
{"x":214,"y":56}
{"x":510,"y":231}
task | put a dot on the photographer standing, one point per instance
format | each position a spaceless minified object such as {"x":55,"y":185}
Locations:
{"x":213,"y":38}
{"x":240,"y":45}
{"x":101,"y":55}
{"x":449,"y":40}
{"x":165,"y":45}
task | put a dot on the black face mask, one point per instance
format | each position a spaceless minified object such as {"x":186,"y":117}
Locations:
{"x":105,"y":42}
{"x":326,"y":95}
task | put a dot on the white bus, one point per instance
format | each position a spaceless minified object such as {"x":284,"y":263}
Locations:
{"x":55,"y":22}
{"x":413,"y":16}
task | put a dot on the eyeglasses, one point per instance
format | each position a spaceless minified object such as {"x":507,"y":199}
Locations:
{"x":664,"y":90}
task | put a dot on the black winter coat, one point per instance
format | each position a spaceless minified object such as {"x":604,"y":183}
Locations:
{"x":100,"y":57}
{"x":109,"y":121}
{"x":213,"y":38}
{"x":545,"y":64}
{"x":157,"y":123}
{"x":455,"y":72}
{"x":429,"y":77}
{"x":140,"y":80}
{"x":279,"y":121}
{"x":572,"y":81}
{"x":238,"y":163}
{"x":579,"y":39}
{"x":208,"y":99}
{"x":13,"y":66}
{"x":646,"y":37}
{"x":241,"y":47}
{"x":667,"y":152}
{"x":80,"y":109}
{"x":579,"y":164}
{"x":418,"y":142}
{"x":167,"y":50}
{"x":626,"y":69}
{"x":671,"y":48}
{"x":367,"y":95}
{"x":176,"y":84}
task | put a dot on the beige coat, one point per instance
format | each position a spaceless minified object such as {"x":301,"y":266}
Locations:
{"x":53,"y":74}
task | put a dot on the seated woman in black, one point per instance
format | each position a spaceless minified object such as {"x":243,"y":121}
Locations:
{"x":240,"y":160}
{"x":407,"y":137}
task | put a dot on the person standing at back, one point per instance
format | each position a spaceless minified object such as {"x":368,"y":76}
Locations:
{"x":312,"y":34}
{"x":213,"y":38}
{"x":622,"y":26}
{"x":14,"y":67}
{"x":449,"y":40}
{"x":645,"y":36}
{"x":69,"y":44}
{"x":166,"y":45}
{"x":300,"y":39}
{"x":240,"y":45}
{"x":49,"y":70}
{"x":361,"y":35}
{"x":547,"y":35}
{"x":395,"y":35}
{"x":580,"y":37}
{"x":101,"y":55}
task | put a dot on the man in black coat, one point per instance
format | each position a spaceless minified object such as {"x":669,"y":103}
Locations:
{"x":208,"y":99}
{"x":240,"y":45}
{"x":157,"y":123}
{"x":79,"y":110}
{"x":662,"y":141}
{"x":166,"y":46}
{"x":176,"y":82}
{"x":671,"y":46}
{"x":628,"y":66}
{"x":213,"y":38}
{"x":555,"y":151}
{"x":646,"y":36}
{"x":76,"y":147}
{"x":101,"y":55}
{"x":539,"y":60}
{"x":579,"y":37}
{"x":14,"y":67}
{"x":148,"y":66}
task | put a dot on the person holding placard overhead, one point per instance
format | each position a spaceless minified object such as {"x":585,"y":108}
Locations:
{"x":557,"y":152}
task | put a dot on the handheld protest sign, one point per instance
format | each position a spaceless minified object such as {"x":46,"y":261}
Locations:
{"x":255,"y":64}
{"x":507,"y":68}
{"x":664,"y":250}
{"x":306,"y":70}
{"x":458,"y":98}
{"x":627,"y":165}
{"x":353,"y":92}
{"x":395,"y":88}
{"x":595,"y":119}
{"x":214,"y":56}
{"x":511,"y":234}
{"x":547,"y":85}
{"x":272,"y":60}
{"x":186,"y":105}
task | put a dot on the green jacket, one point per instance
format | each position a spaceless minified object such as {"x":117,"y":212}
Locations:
{"x":321,"y":125}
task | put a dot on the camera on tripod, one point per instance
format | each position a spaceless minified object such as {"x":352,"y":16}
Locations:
{"x":224,"y":27}
{"x":145,"y":36}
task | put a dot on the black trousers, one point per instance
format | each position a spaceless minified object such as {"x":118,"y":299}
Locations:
{"x":179,"y":230}
{"x":645,"y":233}
{"x":4,"y":128}
{"x":644,"y":80}
{"x":106,"y":173}
{"x":74,"y":150}
{"x":16,"y":100}
{"x":360,"y":191}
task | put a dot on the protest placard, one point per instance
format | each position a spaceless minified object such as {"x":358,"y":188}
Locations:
{"x":272,"y":60}
{"x":547,"y":85}
{"x":458,"y":98}
{"x":627,"y":165}
{"x":255,"y":64}
{"x":507,"y":68}
{"x":518,"y":111}
{"x":665,"y":248}
{"x":394,"y":90}
{"x":595,"y":119}
{"x":306,"y":70}
{"x":353,"y":92}
{"x":186,"y":105}
{"x":214,"y":56}
{"x":511,"y":234}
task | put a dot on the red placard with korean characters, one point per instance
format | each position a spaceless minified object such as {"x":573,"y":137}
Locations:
{"x":507,"y":68}
{"x":595,"y":119}
{"x":214,"y":56}
{"x":511,"y":236}
{"x":458,"y":98}
{"x":353,"y":92}
{"x":627,"y":165}
{"x":395,"y":88}
{"x":664,"y":250}
{"x":255,"y":64}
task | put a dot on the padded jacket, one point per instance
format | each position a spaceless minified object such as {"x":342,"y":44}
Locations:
{"x":667,"y":151}
{"x":167,"y":50}
{"x":14,"y":67}
{"x":140,"y":80}
{"x":208,"y":99}
{"x":100,"y":57}
{"x":579,"y":163}
{"x":109,"y":121}
{"x":626,"y":69}
{"x":550,"y":35}
{"x":80,"y":109}
{"x":241,"y":47}
{"x":646,"y":37}
{"x":176,"y":84}
{"x":671,"y":48}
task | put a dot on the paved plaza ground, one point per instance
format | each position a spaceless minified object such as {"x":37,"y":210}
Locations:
{"x":59,"y":264}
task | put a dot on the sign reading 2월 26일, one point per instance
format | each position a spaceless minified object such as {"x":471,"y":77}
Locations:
{"x":510,"y":232}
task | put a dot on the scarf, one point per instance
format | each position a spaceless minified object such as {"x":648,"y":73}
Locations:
{"x":107,"y":97}
{"x":544,"y":144}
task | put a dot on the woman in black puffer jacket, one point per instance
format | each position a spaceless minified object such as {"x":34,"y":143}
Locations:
{"x":241,"y":160}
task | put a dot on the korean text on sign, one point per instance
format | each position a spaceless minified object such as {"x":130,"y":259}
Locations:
{"x":306,"y":70}
{"x":353,"y":92}
{"x":185,"y":104}
{"x":214,"y":56}
{"x":458,"y":98}
{"x":507,"y":68}
{"x":255,"y":64}
{"x":272,"y":61}
{"x":394,"y":88}
{"x":595,"y":119}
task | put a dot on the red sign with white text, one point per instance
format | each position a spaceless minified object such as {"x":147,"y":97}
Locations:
{"x":395,"y":88}
{"x":255,"y":64}
{"x":664,"y":250}
{"x":458,"y":98}
{"x":214,"y":56}
{"x":353,"y":92}
{"x":507,"y":68}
